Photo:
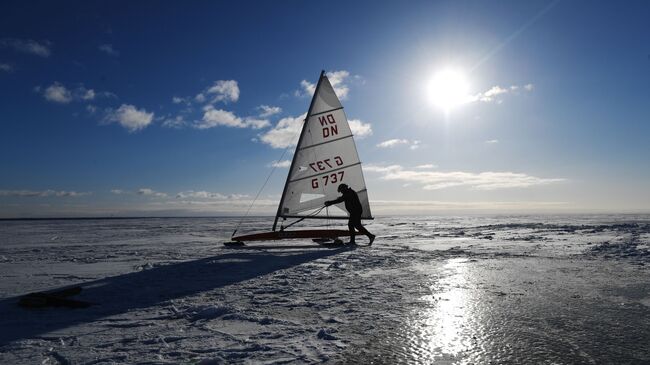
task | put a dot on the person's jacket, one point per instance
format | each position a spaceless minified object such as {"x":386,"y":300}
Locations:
{"x":352,"y":203}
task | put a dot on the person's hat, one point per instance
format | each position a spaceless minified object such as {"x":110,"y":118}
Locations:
{"x":342,"y":187}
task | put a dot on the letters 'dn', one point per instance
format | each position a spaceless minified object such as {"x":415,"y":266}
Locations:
{"x":329,"y":125}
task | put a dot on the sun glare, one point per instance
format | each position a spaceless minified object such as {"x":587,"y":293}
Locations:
{"x":448,"y":89}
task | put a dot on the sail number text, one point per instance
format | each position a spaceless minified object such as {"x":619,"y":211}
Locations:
{"x":329,"y":128}
{"x":327,"y":179}
{"x":325,"y":164}
{"x":329,"y":125}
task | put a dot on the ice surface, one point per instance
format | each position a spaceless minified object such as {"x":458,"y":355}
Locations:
{"x":450,"y":290}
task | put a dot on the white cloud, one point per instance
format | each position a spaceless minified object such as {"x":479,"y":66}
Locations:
{"x":88,"y":94}
{"x":109,"y":50}
{"x":209,"y":195}
{"x":491,"y":95}
{"x":131,"y":118}
{"x":142,"y":191}
{"x":392,"y":143}
{"x":492,"y":141}
{"x":91,"y":109}
{"x":391,"y":207}
{"x":232,"y":204}
{"x":222,"y":90}
{"x":256,"y":123}
{"x":175,"y":122}
{"x":183,"y":101}
{"x":307,"y":89}
{"x":41,"y":193}
{"x":199,"y":98}
{"x":426,"y":166}
{"x":179,"y":100}
{"x":267,"y":110}
{"x":238,"y":196}
{"x":6,"y":67}
{"x":434,"y":180}
{"x":105,"y":94}
{"x":360,"y":129}
{"x":200,"y":194}
{"x":216,"y":117}
{"x":285,"y":133}
{"x":380,"y":168}
{"x":338,"y":80}
{"x":27,"y":46}
{"x":57,"y":93}
{"x":494,"y":91}
{"x":285,"y":164}
{"x":150,"y":192}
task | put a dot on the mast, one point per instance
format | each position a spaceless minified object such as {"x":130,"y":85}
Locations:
{"x":293,"y":160}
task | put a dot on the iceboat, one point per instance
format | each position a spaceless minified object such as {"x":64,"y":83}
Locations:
{"x":325,"y":156}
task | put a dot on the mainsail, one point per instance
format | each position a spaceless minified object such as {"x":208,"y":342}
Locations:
{"x":325,"y":157}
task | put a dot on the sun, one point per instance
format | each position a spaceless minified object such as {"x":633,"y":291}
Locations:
{"x":448,"y":89}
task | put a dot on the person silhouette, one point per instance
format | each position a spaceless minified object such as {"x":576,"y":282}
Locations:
{"x":354,"y":208}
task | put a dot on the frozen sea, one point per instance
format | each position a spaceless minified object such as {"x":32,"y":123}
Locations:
{"x":520,"y":289}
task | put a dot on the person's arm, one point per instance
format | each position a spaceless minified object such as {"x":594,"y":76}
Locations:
{"x":335,"y":201}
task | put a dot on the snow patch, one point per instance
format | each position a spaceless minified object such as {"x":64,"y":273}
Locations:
{"x":206,"y":312}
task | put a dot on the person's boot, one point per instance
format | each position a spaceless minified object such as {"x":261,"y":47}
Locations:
{"x":371,"y":237}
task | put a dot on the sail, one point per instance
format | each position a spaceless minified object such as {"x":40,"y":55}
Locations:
{"x":325,"y":157}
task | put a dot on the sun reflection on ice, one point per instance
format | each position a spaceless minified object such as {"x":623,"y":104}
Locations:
{"x":442,"y":330}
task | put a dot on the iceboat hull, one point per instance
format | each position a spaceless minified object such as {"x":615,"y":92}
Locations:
{"x":284,"y":235}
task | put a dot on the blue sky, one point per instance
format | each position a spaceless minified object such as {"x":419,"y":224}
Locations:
{"x":161,"y":108}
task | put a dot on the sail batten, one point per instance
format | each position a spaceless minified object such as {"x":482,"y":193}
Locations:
{"x":326,"y":111}
{"x":318,"y":144}
{"x":325,"y":157}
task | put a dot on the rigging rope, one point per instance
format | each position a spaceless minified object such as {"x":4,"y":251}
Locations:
{"x":307,"y":216}
{"x":275,"y":166}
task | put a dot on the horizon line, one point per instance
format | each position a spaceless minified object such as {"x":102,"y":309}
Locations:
{"x":643,"y":212}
